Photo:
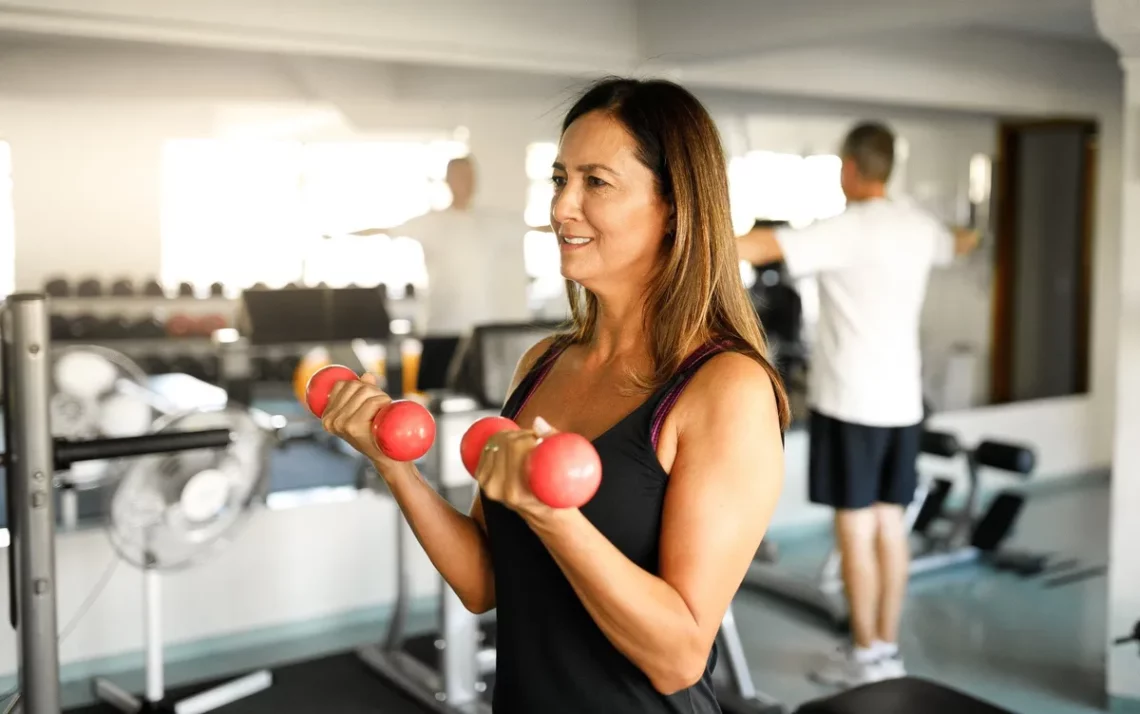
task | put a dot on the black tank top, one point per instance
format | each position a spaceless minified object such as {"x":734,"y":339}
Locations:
{"x":552,"y":658}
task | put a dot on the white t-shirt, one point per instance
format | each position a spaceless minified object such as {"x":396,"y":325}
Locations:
{"x":871,"y":264}
{"x":475,"y":268}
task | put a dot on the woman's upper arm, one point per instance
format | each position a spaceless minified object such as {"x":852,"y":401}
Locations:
{"x":724,"y":484}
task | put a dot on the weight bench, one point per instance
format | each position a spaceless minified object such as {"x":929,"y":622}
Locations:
{"x":909,"y":695}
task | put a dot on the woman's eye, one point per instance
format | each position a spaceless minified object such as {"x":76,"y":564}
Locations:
{"x":558,"y":180}
{"x":595,"y":181}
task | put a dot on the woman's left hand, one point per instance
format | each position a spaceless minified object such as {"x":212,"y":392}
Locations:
{"x":502,"y":473}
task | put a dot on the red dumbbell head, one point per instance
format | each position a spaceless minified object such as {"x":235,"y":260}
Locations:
{"x":475,"y":438}
{"x":564,"y":471}
{"x":321,"y":384}
{"x":404,"y":430}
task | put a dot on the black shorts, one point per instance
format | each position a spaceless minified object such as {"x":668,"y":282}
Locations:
{"x":854,"y":466}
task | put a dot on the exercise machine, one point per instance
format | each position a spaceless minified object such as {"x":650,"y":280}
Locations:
{"x":450,"y":670}
{"x":822,"y":594}
{"x":32,"y":460}
{"x":974,"y":535}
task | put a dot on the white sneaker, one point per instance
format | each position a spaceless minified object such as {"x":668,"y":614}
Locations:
{"x":848,"y":667}
{"x":891,"y":667}
{"x":890,"y":661}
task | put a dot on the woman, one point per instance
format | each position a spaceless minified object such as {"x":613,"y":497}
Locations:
{"x":614,"y":607}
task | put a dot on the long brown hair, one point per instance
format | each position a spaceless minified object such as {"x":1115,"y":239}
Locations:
{"x":697,"y":290}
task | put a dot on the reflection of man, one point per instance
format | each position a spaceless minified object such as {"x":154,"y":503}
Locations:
{"x":474,"y":259}
{"x":865,"y":386}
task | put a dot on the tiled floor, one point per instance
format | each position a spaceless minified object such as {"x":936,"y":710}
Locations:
{"x":1016,"y":642}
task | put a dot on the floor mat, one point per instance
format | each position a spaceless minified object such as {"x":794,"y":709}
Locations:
{"x":341,"y":684}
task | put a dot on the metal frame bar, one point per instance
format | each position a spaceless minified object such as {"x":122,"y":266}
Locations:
{"x":31,"y":460}
{"x":455,"y":686}
{"x":30,"y":477}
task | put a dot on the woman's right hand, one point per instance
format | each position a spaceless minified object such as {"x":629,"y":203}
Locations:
{"x":351,"y":408}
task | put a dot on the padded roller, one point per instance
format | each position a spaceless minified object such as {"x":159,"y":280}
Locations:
{"x":1007,"y":457}
{"x":939,"y":443}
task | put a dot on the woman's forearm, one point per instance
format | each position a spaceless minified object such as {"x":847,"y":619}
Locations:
{"x":644,"y":617}
{"x":454,"y":542}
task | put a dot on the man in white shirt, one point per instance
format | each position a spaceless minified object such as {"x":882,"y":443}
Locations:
{"x":474,"y":260}
{"x":871,"y":264}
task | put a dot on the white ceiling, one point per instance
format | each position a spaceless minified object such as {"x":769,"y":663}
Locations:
{"x":547,"y":35}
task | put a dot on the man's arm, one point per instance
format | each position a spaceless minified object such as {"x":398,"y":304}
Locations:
{"x":759,"y":246}
{"x":965,"y":239}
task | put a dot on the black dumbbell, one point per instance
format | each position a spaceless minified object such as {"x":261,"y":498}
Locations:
{"x":186,"y":364}
{"x":186,"y":290}
{"x":116,"y":327}
{"x":147,"y":328}
{"x":85,"y":327}
{"x":123,"y":287}
{"x":90,"y":287}
{"x":154,"y":364}
{"x":57,"y":287}
{"x":60,"y":327}
{"x":153,"y":288}
{"x":217,"y":290}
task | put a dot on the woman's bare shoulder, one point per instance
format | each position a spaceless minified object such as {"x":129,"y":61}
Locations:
{"x":729,"y":382}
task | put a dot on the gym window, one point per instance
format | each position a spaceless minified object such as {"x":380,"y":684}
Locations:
{"x":278,"y":212}
{"x":7,"y":224}
{"x":543,"y":262}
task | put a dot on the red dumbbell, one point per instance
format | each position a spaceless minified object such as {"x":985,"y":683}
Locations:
{"x":563,"y":471}
{"x":404,"y":430}
{"x":476,"y":436}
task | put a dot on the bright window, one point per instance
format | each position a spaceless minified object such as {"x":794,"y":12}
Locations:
{"x":246,"y":211}
{"x":543,"y":262}
{"x":766,"y":185}
{"x":7,"y":224}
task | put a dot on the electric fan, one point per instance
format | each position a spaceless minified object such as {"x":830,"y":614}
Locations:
{"x":97,"y":393}
{"x":171,"y":511}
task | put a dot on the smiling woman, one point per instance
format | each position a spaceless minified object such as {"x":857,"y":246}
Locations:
{"x":615,"y":606}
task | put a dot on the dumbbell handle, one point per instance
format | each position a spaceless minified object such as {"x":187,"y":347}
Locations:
{"x":68,"y":452}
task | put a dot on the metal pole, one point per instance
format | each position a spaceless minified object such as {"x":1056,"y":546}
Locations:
{"x":30,"y":469}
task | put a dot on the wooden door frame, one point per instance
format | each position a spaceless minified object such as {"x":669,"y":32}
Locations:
{"x":1005,"y":257}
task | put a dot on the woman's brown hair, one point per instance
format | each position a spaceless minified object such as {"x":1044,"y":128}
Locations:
{"x":698,"y":290}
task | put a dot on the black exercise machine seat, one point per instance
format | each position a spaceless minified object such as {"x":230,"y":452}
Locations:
{"x":939,"y":443}
{"x":909,"y":695}
{"x":1013,"y":458}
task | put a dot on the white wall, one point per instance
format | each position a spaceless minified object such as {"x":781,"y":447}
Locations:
{"x":86,"y":126}
{"x":1124,"y":571}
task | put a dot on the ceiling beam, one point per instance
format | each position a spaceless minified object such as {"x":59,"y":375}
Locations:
{"x":681,"y":32}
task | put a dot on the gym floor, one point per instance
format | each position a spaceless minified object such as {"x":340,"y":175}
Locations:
{"x":1029,"y":645}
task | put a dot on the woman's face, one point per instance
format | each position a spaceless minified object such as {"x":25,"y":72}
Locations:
{"x":606,"y":211}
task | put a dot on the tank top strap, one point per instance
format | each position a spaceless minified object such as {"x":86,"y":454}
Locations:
{"x":533,"y":378}
{"x":668,"y":395}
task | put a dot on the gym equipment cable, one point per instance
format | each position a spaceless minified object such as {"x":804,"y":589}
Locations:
{"x":32,"y":460}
